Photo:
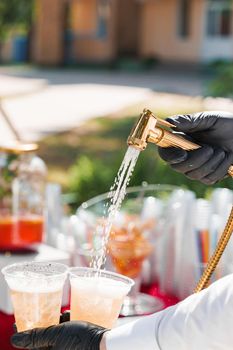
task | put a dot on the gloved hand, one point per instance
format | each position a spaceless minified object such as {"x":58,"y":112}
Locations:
{"x":64,"y":317}
{"x":66,"y":336}
{"x":214,"y":132}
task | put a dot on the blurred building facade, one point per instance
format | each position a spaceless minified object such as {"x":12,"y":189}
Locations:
{"x":72,"y":31}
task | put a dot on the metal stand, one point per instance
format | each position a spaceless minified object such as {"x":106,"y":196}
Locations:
{"x":8,"y":122}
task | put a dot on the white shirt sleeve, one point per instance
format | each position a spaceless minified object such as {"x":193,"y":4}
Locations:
{"x":136,"y":335}
{"x":203,"y":321}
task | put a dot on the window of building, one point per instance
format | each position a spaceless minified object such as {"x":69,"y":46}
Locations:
{"x":83,"y":17}
{"x":89,"y":19}
{"x":219,"y":18}
{"x":103,"y":14}
{"x":184,"y":18}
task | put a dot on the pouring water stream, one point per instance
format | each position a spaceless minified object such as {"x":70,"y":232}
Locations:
{"x":116,"y":196}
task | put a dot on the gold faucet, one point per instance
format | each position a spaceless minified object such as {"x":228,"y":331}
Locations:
{"x":149,"y":128}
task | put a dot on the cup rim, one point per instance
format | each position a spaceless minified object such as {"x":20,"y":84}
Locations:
{"x":64,"y":273}
{"x":103,"y":273}
{"x":145,"y":187}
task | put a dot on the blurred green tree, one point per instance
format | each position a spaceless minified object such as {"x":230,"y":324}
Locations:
{"x":15,"y":14}
{"x":88,"y":178}
{"x":222,"y":84}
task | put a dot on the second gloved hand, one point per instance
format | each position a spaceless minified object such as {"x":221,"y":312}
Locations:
{"x":214,"y":132}
{"x":66,"y":336}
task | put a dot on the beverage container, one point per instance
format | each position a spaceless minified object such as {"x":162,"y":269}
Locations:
{"x":30,"y":228}
{"x":22,"y":197}
{"x":17,"y":232}
{"x":97,"y":295}
{"x":129,"y":248}
{"x":36,"y":293}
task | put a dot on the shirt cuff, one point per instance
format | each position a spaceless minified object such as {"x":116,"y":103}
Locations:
{"x":137,"y":335}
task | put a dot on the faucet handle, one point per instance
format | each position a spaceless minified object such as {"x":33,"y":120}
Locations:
{"x":162,"y":122}
{"x":165,"y":138}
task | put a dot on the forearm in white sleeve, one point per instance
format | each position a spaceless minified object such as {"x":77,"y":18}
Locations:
{"x":136,"y":335}
{"x":203,"y":321}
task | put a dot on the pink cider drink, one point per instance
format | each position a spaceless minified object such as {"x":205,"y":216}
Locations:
{"x":97,"y":296}
{"x":40,"y":309}
{"x":36,"y":293}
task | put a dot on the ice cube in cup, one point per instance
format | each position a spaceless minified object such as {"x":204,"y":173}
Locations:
{"x":36,"y":292}
{"x":97,"y":295}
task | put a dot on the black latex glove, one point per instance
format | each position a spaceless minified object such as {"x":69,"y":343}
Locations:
{"x":212,"y":130}
{"x":73,"y":335}
{"x":64,"y":317}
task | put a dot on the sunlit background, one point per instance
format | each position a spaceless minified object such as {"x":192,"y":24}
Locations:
{"x":74,"y":77}
{"x":75,"y":74}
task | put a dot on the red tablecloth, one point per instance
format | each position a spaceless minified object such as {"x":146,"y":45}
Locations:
{"x":6,"y":321}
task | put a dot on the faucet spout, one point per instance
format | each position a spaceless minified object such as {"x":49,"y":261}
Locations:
{"x":138,"y":137}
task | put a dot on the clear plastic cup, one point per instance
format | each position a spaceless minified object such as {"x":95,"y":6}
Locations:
{"x":36,"y":292}
{"x":97,"y":295}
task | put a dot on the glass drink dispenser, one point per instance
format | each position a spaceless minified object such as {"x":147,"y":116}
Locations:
{"x":22,"y":197}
